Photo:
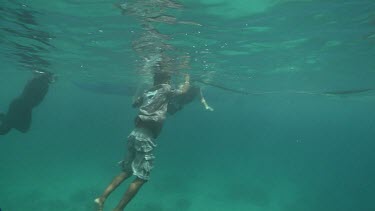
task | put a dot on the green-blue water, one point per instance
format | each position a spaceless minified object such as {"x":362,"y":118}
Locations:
{"x":290,"y":148}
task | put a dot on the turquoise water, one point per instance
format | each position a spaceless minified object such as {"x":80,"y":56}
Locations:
{"x":288,"y":147}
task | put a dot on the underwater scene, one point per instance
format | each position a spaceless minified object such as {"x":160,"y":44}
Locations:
{"x":188,"y":105}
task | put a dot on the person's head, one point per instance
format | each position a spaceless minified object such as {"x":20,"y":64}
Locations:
{"x":46,"y":76}
{"x":163,"y":70}
{"x":161,"y":77}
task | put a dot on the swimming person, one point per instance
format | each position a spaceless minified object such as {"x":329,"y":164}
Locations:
{"x":157,"y":58}
{"x":19,"y":113}
{"x":152,"y":106}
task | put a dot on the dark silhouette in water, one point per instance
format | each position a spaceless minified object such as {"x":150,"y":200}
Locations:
{"x":19,"y":113}
{"x":126,"y":90}
{"x":336,"y":92}
{"x":348,"y":92}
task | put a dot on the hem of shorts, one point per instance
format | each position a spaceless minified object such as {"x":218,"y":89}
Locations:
{"x":141,"y":177}
{"x":127,"y":171}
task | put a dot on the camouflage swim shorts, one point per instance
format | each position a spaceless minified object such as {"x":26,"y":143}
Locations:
{"x":139,"y":157}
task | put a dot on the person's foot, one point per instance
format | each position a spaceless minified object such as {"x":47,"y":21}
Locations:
{"x":99,"y":204}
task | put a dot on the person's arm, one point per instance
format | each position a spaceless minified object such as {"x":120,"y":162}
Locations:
{"x":137,"y":102}
{"x":204,"y":102}
{"x":186,"y":85}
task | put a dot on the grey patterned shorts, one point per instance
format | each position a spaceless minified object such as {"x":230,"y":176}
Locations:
{"x":139,"y":157}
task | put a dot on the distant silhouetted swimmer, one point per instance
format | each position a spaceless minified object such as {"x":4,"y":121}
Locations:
{"x":19,"y":113}
{"x":348,"y":92}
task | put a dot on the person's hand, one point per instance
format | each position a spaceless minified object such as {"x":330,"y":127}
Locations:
{"x":187,"y":78}
{"x":209,"y":108}
{"x":206,"y":106}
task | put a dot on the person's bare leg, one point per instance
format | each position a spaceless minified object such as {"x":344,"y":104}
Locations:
{"x":111,"y":187}
{"x":130,"y":193}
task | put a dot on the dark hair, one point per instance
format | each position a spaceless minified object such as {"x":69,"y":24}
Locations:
{"x":161,"y":77}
